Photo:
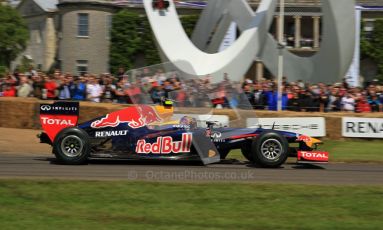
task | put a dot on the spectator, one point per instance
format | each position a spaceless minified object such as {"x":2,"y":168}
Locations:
{"x":157,"y":93}
{"x":375,"y":103}
{"x":9,"y":90}
{"x":94,"y":90}
{"x":24,"y":89}
{"x":362,"y":105}
{"x":260,"y":97}
{"x":50,"y":86}
{"x":109,"y":90}
{"x":348,"y":103}
{"x":293,"y":103}
{"x":78,"y":89}
{"x":119,"y":92}
{"x":38,"y":85}
{"x":249,"y":94}
{"x":64,"y":89}
{"x":305,"y":101}
{"x":134,"y":93}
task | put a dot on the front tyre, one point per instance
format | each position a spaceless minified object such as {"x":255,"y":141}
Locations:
{"x":270,"y":150}
{"x":71,"y":146}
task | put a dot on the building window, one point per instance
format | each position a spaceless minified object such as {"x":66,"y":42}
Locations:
{"x":82,"y":67}
{"x":83,"y":25}
{"x":108,"y":25}
{"x":369,"y":28}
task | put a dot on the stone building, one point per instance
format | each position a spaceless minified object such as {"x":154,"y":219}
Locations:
{"x":73,"y":35}
{"x":41,"y":17}
{"x":84,"y":36}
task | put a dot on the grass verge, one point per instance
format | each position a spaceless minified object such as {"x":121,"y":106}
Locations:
{"x":362,"y":151}
{"x":44,"y":204}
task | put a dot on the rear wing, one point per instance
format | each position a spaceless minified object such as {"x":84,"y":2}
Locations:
{"x":57,"y":116}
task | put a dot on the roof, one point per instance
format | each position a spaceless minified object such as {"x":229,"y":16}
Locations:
{"x":47,"y":5}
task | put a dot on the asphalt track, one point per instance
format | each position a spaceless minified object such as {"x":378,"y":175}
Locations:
{"x":42,"y":166}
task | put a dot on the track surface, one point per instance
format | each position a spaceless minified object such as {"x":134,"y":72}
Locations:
{"x":43,"y":166}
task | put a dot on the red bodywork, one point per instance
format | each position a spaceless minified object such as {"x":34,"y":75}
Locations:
{"x":57,"y":116}
{"x":135,"y":116}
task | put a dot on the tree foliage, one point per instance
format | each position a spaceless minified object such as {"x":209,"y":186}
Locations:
{"x":13,"y":34}
{"x":131,"y":37}
{"x":149,"y":47}
{"x":372,"y":47}
{"x":189,"y":22}
{"x":125,"y":39}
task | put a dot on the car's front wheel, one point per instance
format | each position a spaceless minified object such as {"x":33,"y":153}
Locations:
{"x":71,"y":146}
{"x":270,"y":149}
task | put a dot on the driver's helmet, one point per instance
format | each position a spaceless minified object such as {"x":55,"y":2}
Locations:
{"x":190,"y":121}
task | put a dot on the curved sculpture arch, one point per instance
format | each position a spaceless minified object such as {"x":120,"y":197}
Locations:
{"x":327,"y":65}
{"x":176,"y":45}
{"x":333,"y":59}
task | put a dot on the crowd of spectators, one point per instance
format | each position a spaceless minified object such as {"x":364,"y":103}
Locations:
{"x":300,"y":96}
{"x":150,"y":86}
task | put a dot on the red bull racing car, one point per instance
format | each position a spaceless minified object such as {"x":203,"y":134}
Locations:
{"x":149,"y":132}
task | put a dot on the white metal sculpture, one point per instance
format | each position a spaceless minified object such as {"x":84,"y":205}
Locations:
{"x":329,"y":64}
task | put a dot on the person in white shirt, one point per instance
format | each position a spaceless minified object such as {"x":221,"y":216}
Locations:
{"x":94,"y":90}
{"x":24,"y":89}
{"x":348,"y":103}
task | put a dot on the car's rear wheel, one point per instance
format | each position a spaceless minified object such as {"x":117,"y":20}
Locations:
{"x":71,"y":146}
{"x":270,"y":149}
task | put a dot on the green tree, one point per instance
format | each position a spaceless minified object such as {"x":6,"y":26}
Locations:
{"x":373,"y":47}
{"x":13,"y":35}
{"x":125,"y":39}
{"x":149,"y":47}
{"x":132,"y":37}
{"x":189,"y":22}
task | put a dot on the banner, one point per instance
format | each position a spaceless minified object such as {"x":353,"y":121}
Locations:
{"x":311,"y":126}
{"x":362,"y":127}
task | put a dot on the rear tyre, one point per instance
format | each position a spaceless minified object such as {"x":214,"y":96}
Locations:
{"x":71,"y":146}
{"x":270,"y":150}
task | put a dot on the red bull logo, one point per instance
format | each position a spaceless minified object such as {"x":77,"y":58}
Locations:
{"x":166,"y":145}
{"x":136,"y":117}
{"x":304,"y":138}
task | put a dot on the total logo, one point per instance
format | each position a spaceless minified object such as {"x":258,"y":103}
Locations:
{"x":56,"y":121}
{"x":166,"y":145}
{"x":313,"y":155}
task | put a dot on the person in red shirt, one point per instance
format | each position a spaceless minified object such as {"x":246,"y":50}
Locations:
{"x":362,"y":105}
{"x":9,"y":91}
{"x":51,"y":87}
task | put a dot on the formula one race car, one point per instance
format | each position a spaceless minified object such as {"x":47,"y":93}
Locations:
{"x":149,"y":132}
